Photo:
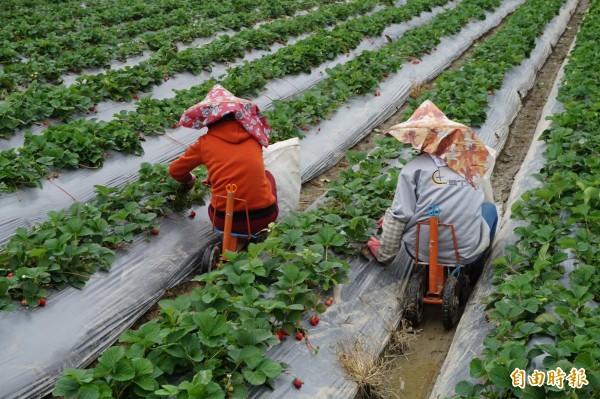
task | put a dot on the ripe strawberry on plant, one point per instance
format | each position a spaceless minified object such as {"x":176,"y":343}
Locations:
{"x":283,"y":333}
{"x":9,"y":275}
{"x":192,"y":214}
{"x":42,"y":302}
{"x":155,"y":231}
{"x":299,"y":336}
{"x":135,"y":97}
{"x":314,"y":320}
{"x":298,"y":383}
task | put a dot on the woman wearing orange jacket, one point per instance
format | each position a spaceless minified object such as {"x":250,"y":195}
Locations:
{"x":231,"y":150}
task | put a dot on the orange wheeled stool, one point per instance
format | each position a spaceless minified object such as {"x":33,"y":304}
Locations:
{"x":213,"y":255}
{"x":433,"y":282}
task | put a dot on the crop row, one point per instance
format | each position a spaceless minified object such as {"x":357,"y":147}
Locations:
{"x":22,"y":109}
{"x":559,"y":241}
{"x":153,"y":116}
{"x":72,"y":245}
{"x":33,"y":20}
{"x":51,"y":57}
{"x":462,"y":93}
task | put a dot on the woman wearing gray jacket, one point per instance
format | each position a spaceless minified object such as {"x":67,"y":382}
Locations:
{"x":426,"y":181}
{"x":449,"y":176}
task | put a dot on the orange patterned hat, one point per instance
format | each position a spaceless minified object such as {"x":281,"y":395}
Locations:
{"x":429,"y":130}
{"x":220,"y":102}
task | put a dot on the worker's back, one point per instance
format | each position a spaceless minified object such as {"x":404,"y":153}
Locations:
{"x":459,"y":203}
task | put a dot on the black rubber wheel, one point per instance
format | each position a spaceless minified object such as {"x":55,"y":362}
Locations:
{"x":210,"y":258}
{"x":450,"y":302}
{"x":413,"y":308}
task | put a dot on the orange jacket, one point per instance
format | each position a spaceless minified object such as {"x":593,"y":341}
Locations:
{"x":231,"y":155}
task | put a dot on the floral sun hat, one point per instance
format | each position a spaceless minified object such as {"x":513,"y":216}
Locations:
{"x":220,"y":102}
{"x":429,"y":130}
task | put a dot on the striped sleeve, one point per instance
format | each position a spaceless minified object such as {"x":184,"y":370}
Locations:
{"x":393,"y":228}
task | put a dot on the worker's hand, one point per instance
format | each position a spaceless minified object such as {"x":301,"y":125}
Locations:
{"x":380,"y":222}
{"x":206,"y":182}
{"x":188,"y":185}
{"x":373,"y":245}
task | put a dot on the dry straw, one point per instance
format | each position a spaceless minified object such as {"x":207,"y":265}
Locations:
{"x":371,"y":370}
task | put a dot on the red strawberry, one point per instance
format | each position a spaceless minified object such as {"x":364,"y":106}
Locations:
{"x":283,"y":333}
{"x":192,"y":214}
{"x":427,"y":52}
{"x":279,"y":335}
{"x":42,"y":302}
{"x":9,"y":275}
{"x":314,"y":320}
{"x":299,"y":336}
{"x":135,"y":97}
{"x":45,"y":123}
{"x":174,"y":125}
{"x":329,"y":302}
{"x":93,"y":108}
{"x":298,"y":383}
{"x":155,"y":231}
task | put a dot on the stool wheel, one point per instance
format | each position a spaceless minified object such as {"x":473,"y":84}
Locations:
{"x":210,"y":259}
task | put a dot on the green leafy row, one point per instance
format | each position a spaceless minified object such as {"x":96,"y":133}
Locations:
{"x":153,"y":116}
{"x":560,"y":227}
{"x":463,"y":93}
{"x":39,"y":102}
{"x":51,"y":57}
{"x":23,"y":20}
{"x":72,"y":245}
{"x":365,"y":73}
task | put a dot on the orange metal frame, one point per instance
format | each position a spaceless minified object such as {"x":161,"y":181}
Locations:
{"x":230,"y":240}
{"x":437,"y":275}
